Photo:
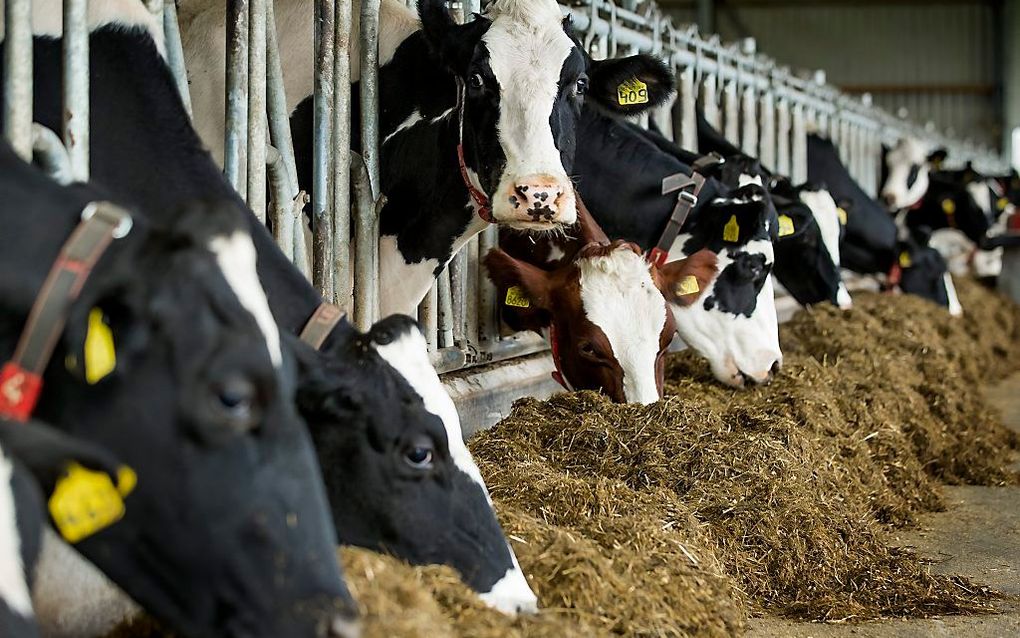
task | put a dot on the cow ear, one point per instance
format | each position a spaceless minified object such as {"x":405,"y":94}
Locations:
{"x":47,"y":452}
{"x":683,"y":281}
{"x":524,"y":291}
{"x":631,"y":85}
{"x":936,"y":157}
{"x":453,"y":43}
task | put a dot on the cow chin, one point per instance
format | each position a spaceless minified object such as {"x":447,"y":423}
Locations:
{"x":538,"y":202}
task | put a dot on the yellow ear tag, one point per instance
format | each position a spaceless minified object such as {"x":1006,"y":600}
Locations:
{"x":905,"y":260}
{"x":842,"y":215}
{"x":632,"y":91}
{"x":1002,"y":203}
{"x":85,"y":502}
{"x":688,"y":286}
{"x":785,"y":225}
{"x":515,"y":297}
{"x":100,"y":355}
{"x":948,"y":206}
{"x":731,"y":231}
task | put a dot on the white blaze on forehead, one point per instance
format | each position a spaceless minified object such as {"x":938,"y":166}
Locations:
{"x":13,"y":588}
{"x":899,"y":161}
{"x":982,"y":196}
{"x":823,"y":208}
{"x":408,"y":354}
{"x":527,"y":47}
{"x":236,"y":257}
{"x":744,"y":179}
{"x":619,"y":296}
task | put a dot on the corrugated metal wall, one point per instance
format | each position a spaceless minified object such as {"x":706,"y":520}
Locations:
{"x":936,"y":59}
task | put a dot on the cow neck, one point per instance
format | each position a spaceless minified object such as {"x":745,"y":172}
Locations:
{"x":138,"y":122}
{"x":687,"y":189}
{"x":482,"y":204}
{"x":21,"y":376}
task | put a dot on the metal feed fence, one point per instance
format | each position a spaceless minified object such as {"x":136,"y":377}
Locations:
{"x":765,"y":109}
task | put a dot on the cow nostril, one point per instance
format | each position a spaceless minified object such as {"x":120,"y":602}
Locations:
{"x":344,"y":627}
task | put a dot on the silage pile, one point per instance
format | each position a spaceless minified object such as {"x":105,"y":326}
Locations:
{"x":684,"y":517}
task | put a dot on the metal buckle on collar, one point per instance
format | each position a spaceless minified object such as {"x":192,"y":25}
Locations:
{"x":110,"y":213}
{"x":688,"y":197}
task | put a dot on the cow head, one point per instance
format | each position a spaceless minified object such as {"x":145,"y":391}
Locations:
{"x":195,"y":393}
{"x":606,"y":309}
{"x":924,"y":271}
{"x":905,"y":172}
{"x":398,"y":474}
{"x":807,"y":249}
{"x":734,"y":325}
{"x":954,"y":199}
{"x":525,"y":78}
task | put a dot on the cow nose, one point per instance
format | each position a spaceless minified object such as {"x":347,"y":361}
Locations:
{"x":344,"y":627}
{"x":537,"y":198}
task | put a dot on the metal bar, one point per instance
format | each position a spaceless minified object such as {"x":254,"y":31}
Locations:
{"x":472,"y":330}
{"x":369,"y":87}
{"x":281,"y":202}
{"x":488,"y":304}
{"x":710,"y":102}
{"x":688,"y":111}
{"x":75,"y":84}
{"x":322,"y":151}
{"x":175,"y":53}
{"x":49,"y":153}
{"x":257,"y":138}
{"x":342,"y":34}
{"x":749,"y":120}
{"x":445,"y":308}
{"x":798,"y":168}
{"x":767,"y":141}
{"x":366,"y":244}
{"x":458,"y":289}
{"x":427,"y":317}
{"x":18,"y":76}
{"x":235,"y":162}
{"x":783,"y":166}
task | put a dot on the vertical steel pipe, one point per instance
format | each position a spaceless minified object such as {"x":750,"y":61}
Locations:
{"x":281,"y":202}
{"x":445,"y":307}
{"x":710,"y":102}
{"x":366,"y":242}
{"x":235,"y":162}
{"x":257,"y":138}
{"x":767,"y":139}
{"x":427,"y":317}
{"x":798,"y":168}
{"x":369,"y":87}
{"x":75,"y":85}
{"x":688,"y":111}
{"x":49,"y":153}
{"x":783,"y":166}
{"x":175,"y":53}
{"x":322,"y":152}
{"x":488,"y":304}
{"x":276,"y":98}
{"x":731,"y":111}
{"x":749,"y":121}
{"x":342,"y":34}
{"x":458,"y":291}
{"x":18,"y":76}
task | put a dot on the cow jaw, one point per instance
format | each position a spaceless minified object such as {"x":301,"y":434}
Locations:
{"x":512,"y":594}
{"x":619,"y":296}
{"x":236,"y":257}
{"x":527,"y":49}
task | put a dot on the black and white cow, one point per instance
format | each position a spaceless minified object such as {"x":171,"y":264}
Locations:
{"x":195,"y":394}
{"x":734,"y":325}
{"x":398,"y":475}
{"x":905,"y":170}
{"x":450,"y":167}
{"x":33,"y":456}
{"x":872,"y":243}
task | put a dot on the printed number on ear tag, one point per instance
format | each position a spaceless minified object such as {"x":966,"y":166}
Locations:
{"x":785,"y":226}
{"x":948,"y":206}
{"x":100,"y":355}
{"x":515,"y":297}
{"x":842,"y":215}
{"x":633,"y":91}
{"x":731,"y":231}
{"x":85,"y":502}
{"x":905,"y":260}
{"x":688,"y":286}
{"x":1002,"y":203}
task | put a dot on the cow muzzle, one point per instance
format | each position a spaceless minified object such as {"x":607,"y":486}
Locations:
{"x":535,"y":202}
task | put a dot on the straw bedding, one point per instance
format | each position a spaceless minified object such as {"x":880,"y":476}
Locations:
{"x":687,"y":516}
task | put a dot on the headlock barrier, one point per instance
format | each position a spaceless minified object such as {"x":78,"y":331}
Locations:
{"x":764,"y":108}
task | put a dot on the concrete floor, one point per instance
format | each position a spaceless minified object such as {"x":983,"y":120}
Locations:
{"x":978,"y":536}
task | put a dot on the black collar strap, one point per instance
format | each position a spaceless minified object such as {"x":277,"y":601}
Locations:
{"x":687,"y":188}
{"x":21,"y":377}
{"x":322,"y":322}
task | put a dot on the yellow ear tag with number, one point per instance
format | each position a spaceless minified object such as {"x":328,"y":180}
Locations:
{"x":688,"y":286}
{"x":1002,"y":203}
{"x":948,"y":206}
{"x":842,"y":215}
{"x":632,"y":91}
{"x":905,"y":260}
{"x":515,"y":297}
{"x":85,"y":502}
{"x":100,"y":355}
{"x":785,"y":226}
{"x":731,"y":231}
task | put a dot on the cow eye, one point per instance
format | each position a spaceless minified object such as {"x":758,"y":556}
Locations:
{"x":419,"y":455}
{"x":582,"y":85}
{"x":476,"y":82}
{"x":236,"y":402}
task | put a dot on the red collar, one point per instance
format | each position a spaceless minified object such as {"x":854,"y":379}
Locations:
{"x":557,"y":374}
{"x":482,"y":204}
